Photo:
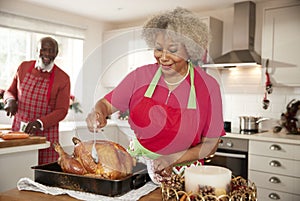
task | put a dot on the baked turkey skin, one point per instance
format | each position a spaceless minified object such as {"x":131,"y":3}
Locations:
{"x":114,"y":161}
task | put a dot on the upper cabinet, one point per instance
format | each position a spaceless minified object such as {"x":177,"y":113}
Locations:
{"x":281,"y":44}
{"x":123,"y":50}
{"x":215,"y":29}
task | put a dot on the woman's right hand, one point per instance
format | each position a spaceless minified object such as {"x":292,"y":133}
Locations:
{"x":95,"y":120}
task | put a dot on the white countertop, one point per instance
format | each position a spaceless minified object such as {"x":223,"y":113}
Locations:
{"x":268,"y":136}
{"x":264,"y":136}
{"x":72,"y":125}
{"x":23,"y":148}
{"x":5,"y":126}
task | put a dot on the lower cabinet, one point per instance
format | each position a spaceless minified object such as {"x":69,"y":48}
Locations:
{"x":275,"y":169}
{"x":265,"y":194}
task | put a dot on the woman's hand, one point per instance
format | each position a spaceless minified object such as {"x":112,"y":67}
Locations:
{"x":164,"y":164}
{"x":95,"y":120}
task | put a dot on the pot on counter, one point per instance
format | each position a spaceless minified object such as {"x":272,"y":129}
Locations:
{"x":250,"y":123}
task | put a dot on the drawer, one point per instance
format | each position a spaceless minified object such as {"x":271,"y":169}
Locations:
{"x":274,"y":165}
{"x":271,"y":195}
{"x":275,"y":182}
{"x":280,"y":150}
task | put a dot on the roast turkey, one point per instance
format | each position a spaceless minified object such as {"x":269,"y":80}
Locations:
{"x":114,"y":161}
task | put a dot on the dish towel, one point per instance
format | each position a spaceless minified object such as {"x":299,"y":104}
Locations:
{"x":29,"y":185}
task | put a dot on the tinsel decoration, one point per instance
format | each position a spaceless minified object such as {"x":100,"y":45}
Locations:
{"x":240,"y":190}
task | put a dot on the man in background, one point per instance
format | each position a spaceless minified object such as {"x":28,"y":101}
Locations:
{"x":38,"y":97}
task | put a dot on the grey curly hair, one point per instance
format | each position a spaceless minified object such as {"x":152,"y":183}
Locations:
{"x":181,"y":25}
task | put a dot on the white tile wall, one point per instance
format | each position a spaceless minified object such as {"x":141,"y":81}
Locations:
{"x":243,"y":92}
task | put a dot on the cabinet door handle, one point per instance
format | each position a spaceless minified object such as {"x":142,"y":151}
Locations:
{"x":274,"y":180}
{"x":208,"y":158}
{"x":275,"y":164}
{"x":274,"y":196}
{"x":275,"y":147}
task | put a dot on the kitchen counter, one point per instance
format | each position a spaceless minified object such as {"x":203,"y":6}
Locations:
{"x":16,"y":163}
{"x":15,"y":194}
{"x":124,"y":126}
{"x":73,"y":125}
{"x":25,"y":148}
{"x":5,"y":126}
{"x":262,"y":136}
{"x":268,"y":136}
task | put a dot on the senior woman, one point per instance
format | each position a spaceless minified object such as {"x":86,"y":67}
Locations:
{"x":175,"y":108}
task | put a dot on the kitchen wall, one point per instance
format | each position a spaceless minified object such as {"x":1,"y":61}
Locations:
{"x":243,"y":93}
{"x":242,"y":89}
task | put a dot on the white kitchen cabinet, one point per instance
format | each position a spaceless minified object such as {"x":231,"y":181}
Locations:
{"x":123,"y":50}
{"x":109,"y":133}
{"x":275,"y":170}
{"x":281,"y":44}
{"x":215,"y":28}
{"x":68,"y":130}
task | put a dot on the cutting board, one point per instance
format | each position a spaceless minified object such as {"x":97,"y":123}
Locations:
{"x":21,"y":142}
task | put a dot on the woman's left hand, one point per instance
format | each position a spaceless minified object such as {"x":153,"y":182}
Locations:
{"x":164,"y":164}
{"x":93,"y":120}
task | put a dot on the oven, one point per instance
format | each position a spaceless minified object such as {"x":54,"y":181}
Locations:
{"x":232,"y":153}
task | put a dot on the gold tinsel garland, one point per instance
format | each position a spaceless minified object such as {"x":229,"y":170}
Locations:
{"x":240,"y":190}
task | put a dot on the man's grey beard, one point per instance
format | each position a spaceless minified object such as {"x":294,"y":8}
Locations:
{"x":43,"y":66}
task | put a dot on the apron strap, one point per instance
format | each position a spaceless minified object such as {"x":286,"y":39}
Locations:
{"x":192,"y":97}
{"x":136,"y":149}
{"x":51,"y":81}
{"x":153,"y":84}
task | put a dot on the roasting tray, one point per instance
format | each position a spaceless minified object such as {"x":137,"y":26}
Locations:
{"x":52,"y":175}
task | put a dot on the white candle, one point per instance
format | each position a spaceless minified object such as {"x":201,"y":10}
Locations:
{"x":207,"y":175}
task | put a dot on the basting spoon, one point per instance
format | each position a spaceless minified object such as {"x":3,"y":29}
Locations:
{"x":94,"y":150}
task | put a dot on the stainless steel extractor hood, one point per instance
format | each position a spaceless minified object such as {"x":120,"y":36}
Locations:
{"x":243,"y":53}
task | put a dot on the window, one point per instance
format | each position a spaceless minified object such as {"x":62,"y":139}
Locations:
{"x":20,"y":45}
